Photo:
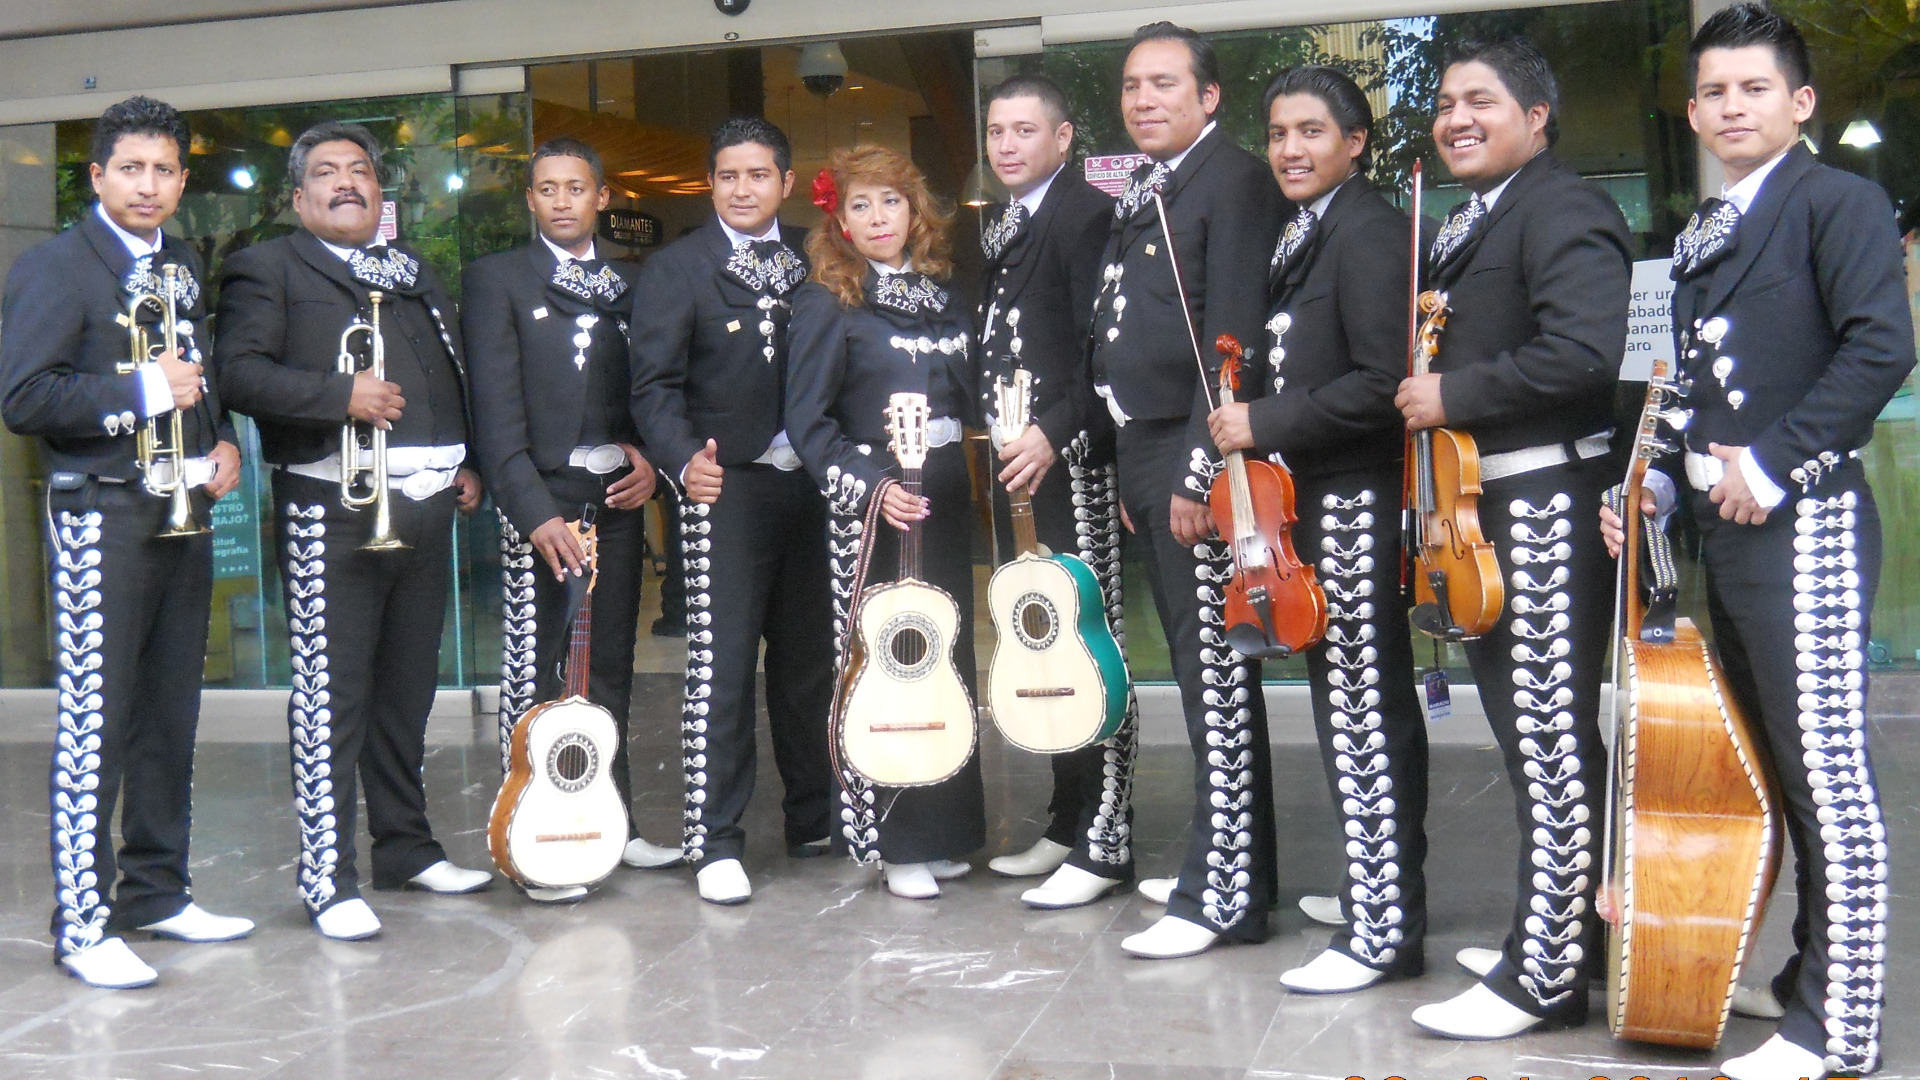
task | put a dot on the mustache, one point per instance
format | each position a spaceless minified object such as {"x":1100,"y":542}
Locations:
{"x":346,"y":197}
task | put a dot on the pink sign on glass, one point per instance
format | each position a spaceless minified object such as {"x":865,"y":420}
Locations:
{"x":1109,"y":172}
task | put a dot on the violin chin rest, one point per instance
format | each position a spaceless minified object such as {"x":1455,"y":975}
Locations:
{"x":1248,"y":640}
{"x":1431,"y":620}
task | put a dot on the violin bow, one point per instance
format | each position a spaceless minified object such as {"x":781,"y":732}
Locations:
{"x":1186,"y":312}
{"x":1413,"y":344}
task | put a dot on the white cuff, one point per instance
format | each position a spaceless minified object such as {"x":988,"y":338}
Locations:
{"x":1660,"y":485}
{"x":156,"y":396}
{"x":1765,"y":491}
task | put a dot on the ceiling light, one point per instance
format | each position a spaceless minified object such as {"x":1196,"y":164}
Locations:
{"x":1860,"y":135}
{"x":242,"y":178}
{"x":455,"y":182}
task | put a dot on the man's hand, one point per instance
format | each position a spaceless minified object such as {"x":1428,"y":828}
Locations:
{"x":555,"y":542}
{"x":1611,"y":527}
{"x":635,"y":488}
{"x":467,"y":490}
{"x":704,"y":474}
{"x":1419,"y":401}
{"x":1230,"y":427}
{"x":1731,"y":494}
{"x":1126,"y":521}
{"x":226,"y":470}
{"x":185,"y":381}
{"x":1189,"y":521}
{"x":1028,"y":458}
{"x":902,"y":509}
{"x":375,"y":401}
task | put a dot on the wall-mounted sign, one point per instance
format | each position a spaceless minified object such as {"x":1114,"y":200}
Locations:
{"x":390,"y":220}
{"x":1649,"y":320}
{"x":630,"y":228}
{"x":1109,"y":172}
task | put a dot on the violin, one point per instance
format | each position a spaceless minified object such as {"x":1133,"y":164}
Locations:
{"x":1457,"y":590}
{"x":1274,"y":606}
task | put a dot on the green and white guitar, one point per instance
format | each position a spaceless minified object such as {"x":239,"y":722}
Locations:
{"x":1058,"y":681}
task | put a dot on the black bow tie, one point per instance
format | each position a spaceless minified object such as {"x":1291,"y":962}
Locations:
{"x":767,"y":266}
{"x":386,"y":268}
{"x":591,"y":281}
{"x":1296,"y":240}
{"x":1707,"y":239}
{"x":1004,"y":231}
{"x":147,"y":276}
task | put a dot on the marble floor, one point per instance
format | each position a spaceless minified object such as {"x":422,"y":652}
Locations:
{"x":823,"y":974}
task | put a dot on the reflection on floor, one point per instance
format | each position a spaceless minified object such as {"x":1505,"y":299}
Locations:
{"x":821,"y":975}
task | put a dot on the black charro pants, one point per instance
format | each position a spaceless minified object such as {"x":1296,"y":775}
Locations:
{"x":364,"y":631}
{"x":1539,"y":673}
{"x":945,"y":820}
{"x":130,"y":646}
{"x":1077,"y":512}
{"x":1372,"y":734}
{"x":1228,"y":877}
{"x":1791,"y":603}
{"x":756,"y":569}
{"x":535,"y":631}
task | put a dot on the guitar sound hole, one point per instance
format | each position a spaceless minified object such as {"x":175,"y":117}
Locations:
{"x":572,"y":762}
{"x":1036,"y":623}
{"x":909,"y":647}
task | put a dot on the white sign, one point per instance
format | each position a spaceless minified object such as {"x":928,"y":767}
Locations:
{"x":1109,"y":173}
{"x":390,"y":220}
{"x":1649,"y":320}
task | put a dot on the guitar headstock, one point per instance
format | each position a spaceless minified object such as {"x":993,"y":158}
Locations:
{"x":588,"y":535}
{"x":907,"y":417}
{"x":1230,"y":352}
{"x":1012,"y":405}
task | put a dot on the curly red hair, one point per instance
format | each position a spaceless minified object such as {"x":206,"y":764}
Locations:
{"x":836,"y":264}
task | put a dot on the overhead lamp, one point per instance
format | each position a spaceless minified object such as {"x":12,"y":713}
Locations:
{"x":1860,"y":134}
{"x":241,"y":178}
{"x":455,"y":182}
{"x":982,"y":188}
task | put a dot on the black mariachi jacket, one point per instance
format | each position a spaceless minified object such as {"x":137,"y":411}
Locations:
{"x":909,"y":337}
{"x":1225,"y":213}
{"x":64,"y":341}
{"x":537,"y":394}
{"x":701,"y":369}
{"x":1049,"y":273}
{"x":283,"y":304}
{"x":1336,"y":341}
{"x":1539,"y":292}
{"x":1796,"y":331}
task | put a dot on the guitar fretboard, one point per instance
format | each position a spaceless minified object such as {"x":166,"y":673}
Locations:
{"x":910,"y":542}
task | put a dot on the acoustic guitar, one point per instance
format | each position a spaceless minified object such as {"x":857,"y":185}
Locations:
{"x":558,"y":821}
{"x":1693,"y":838}
{"x":1058,"y":681}
{"x":904,"y":717}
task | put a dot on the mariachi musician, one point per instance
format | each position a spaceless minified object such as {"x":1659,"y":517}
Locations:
{"x":545,"y":328}
{"x":364,"y":625}
{"x":130,"y":562}
{"x":1224,"y":213}
{"x":1336,"y":352}
{"x":710,"y":368}
{"x":1536,"y":266}
{"x":1791,"y":319}
{"x":874,"y":321}
{"x":1042,"y":270}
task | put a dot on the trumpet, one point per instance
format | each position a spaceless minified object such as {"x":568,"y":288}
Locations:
{"x":161,"y":452}
{"x":366,"y":485}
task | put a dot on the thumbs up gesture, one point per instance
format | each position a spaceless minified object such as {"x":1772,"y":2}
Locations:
{"x":703,"y":473}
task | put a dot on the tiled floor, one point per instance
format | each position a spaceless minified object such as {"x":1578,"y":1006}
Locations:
{"x":822,"y":975}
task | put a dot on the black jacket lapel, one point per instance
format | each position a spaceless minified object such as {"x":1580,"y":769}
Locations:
{"x":1756,"y":225}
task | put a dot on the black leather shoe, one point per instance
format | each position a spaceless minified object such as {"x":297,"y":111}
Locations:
{"x":812,"y":849}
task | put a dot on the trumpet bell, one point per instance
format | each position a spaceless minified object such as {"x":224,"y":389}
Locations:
{"x":384,"y":538}
{"x":180,"y":518}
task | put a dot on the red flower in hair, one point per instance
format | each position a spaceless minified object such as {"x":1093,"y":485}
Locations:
{"x":824,"y":195}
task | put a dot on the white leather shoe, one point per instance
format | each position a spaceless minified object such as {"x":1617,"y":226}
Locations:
{"x":642,"y":855}
{"x":948,"y":869}
{"x":1044,"y":857}
{"x":1170,"y":937}
{"x":197,"y":924}
{"x":724,"y":881}
{"x":449,"y":880}
{"x":1757,"y":1002}
{"x":1155,"y":890}
{"x":1475,"y":1015}
{"x":911,"y":881}
{"x":565,"y":894}
{"x":1332,"y":972}
{"x":1324,"y":910}
{"x":1477,"y":961}
{"x":1069,"y":887}
{"x":348,"y":920}
{"x":1776,"y":1059}
{"x":109,"y":965}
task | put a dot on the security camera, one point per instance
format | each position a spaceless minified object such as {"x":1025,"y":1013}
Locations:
{"x":822,"y":68}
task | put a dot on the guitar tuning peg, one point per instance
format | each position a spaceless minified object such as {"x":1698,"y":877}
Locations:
{"x":1680,"y":387}
{"x":1677,"y":419}
{"x":1659,"y":448}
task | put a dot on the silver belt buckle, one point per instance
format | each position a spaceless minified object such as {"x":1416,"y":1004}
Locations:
{"x":423,"y":484}
{"x":598,"y":460}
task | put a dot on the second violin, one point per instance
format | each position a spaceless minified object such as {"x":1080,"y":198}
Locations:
{"x":1274,"y":606}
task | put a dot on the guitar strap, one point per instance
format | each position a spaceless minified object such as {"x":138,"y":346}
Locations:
{"x":835,"y":718}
